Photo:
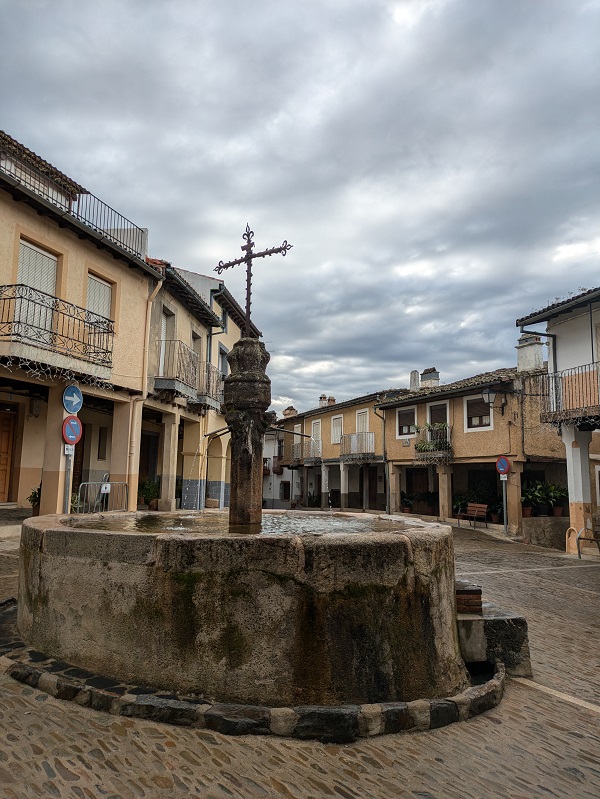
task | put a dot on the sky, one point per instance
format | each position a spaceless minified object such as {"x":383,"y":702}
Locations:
{"x":434,"y":163}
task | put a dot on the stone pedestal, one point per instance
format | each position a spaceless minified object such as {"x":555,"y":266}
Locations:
{"x":247,"y":395}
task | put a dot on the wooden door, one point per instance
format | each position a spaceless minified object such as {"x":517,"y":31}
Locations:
{"x":7,"y":429}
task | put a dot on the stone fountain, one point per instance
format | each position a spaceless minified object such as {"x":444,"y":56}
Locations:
{"x":286,"y":622}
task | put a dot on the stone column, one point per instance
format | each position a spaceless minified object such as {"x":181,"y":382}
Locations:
{"x":444,"y":472}
{"x":247,"y":395}
{"x":514,"y":507}
{"x":393,"y":482}
{"x":365,"y":492}
{"x":133,"y":443}
{"x":343,"y":486}
{"x":577,"y":446}
{"x":119,"y":442}
{"x":324,"y":486}
{"x":194,"y":460}
{"x":169,"y":462}
{"x":53,"y":471}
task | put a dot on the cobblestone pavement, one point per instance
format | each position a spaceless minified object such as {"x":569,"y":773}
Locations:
{"x":542,"y":741}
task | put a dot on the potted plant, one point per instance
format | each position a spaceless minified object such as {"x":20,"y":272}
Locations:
{"x":406,"y":502}
{"x":496,"y":511}
{"x":429,"y":498}
{"x":34,"y":500}
{"x":555,"y":495}
{"x":530,"y":497}
{"x":459,"y":504}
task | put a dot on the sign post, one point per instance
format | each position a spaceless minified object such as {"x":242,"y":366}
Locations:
{"x":72,"y":431}
{"x":503,"y":468}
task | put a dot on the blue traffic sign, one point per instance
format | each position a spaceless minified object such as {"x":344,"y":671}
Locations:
{"x":72,"y":399}
{"x":503,"y":465}
{"x":72,"y":430}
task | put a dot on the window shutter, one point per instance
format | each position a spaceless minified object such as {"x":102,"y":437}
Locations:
{"x":362,"y":422}
{"x":99,"y":296}
{"x":37,"y":268}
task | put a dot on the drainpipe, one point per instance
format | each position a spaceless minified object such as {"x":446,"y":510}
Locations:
{"x":132,"y":441}
{"x":385,"y":463}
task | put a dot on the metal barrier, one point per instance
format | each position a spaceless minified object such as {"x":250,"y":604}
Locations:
{"x":103,"y":496}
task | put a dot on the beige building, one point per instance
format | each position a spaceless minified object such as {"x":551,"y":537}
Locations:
{"x":443,"y":441}
{"x":336,"y":453}
{"x":82,"y":305}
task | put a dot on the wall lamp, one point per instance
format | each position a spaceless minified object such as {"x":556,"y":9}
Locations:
{"x":488,"y":395}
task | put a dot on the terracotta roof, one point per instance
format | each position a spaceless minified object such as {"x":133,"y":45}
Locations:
{"x":387,"y":394}
{"x":12,"y":146}
{"x":562,"y":306}
{"x":484,"y":379}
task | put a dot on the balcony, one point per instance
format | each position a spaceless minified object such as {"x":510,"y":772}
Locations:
{"x":210,"y":386}
{"x":278,"y":464}
{"x":36,"y":326}
{"x":570,"y":396}
{"x":266,"y":467}
{"x":357,"y":447}
{"x":75,"y":202}
{"x":178,"y":369}
{"x":311,"y":452}
{"x":433,"y":444}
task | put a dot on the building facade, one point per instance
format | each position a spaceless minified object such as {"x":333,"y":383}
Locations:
{"x":82,"y":304}
{"x":570,"y":396}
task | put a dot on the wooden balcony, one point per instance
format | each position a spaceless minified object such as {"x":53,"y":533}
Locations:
{"x":357,"y":447}
{"x":433,"y":444}
{"x":571,"y":396}
{"x":39,"y":327}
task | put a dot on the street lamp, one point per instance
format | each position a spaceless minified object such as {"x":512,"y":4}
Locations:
{"x":488,"y":395}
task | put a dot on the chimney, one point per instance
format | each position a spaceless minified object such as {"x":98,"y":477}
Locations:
{"x":529,"y":353}
{"x":322,"y":400}
{"x":430,"y":378}
{"x":331,"y":401}
{"x":414,"y":380}
{"x":289,"y":411}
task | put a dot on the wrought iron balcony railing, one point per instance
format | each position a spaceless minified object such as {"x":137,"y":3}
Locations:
{"x":357,"y":446}
{"x":311,"y":450}
{"x":84,"y":207}
{"x":434,"y":444}
{"x":571,"y":395}
{"x":29,"y":316}
{"x":296,"y":451}
{"x":210,"y":383}
{"x":178,"y":364}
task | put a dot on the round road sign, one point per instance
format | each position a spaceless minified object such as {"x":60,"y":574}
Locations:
{"x":72,"y":430}
{"x":72,"y":399}
{"x":503,"y":465}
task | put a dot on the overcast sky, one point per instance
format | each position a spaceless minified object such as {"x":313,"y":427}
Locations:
{"x":434,"y":163}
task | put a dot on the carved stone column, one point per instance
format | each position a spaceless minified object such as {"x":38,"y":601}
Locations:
{"x":247,"y":395}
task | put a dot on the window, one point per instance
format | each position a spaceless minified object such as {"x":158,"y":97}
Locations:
{"x":477,"y":414}
{"x":102,"y":440}
{"x":280,"y":445}
{"x":406,"y":422}
{"x":223,"y":362}
{"x":438,"y":414}
{"x":33,"y":317}
{"x":284,"y":490}
{"x":336,"y":429}
{"x":224,"y":319}
{"x":362,"y":421}
{"x":316,"y":430}
{"x":99,"y":296}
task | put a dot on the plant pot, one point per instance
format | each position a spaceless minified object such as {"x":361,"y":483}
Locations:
{"x":526,"y":512}
{"x":35,"y":510}
{"x":495,"y":518}
{"x":542,"y":510}
{"x":557,"y":510}
{"x":429,"y":511}
{"x":406,"y":510}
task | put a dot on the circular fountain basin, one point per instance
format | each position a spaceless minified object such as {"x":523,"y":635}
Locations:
{"x":361,"y":611}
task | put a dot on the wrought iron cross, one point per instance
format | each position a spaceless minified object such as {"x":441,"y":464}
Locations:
{"x":247,"y":259}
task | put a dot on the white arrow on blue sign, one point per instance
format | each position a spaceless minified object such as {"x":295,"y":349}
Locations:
{"x":72,"y":399}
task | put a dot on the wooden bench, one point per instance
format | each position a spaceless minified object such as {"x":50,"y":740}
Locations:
{"x":593,"y":536}
{"x":473,"y":512}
